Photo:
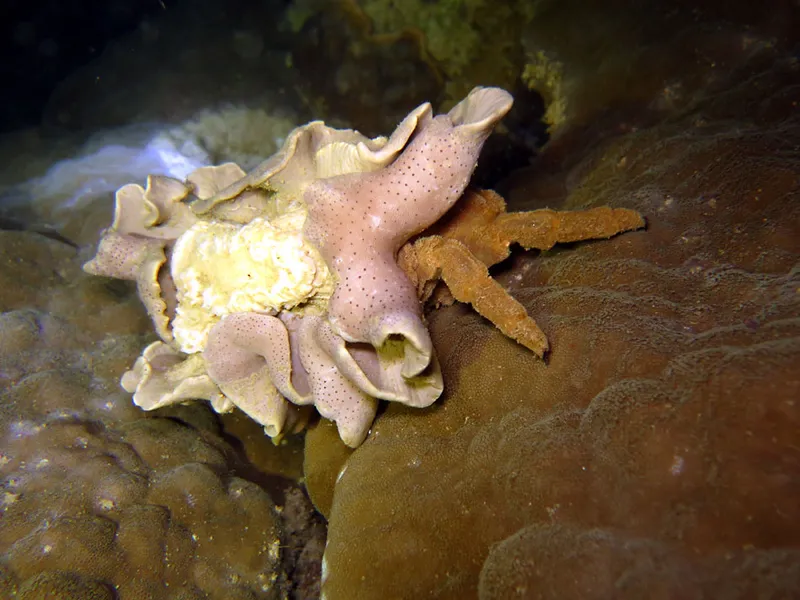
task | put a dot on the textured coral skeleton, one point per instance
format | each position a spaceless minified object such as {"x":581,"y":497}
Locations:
{"x":302,"y":282}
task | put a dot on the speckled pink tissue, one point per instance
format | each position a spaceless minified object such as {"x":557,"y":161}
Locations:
{"x":360,"y":220}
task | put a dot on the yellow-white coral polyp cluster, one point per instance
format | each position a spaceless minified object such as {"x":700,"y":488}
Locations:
{"x":223,"y":268}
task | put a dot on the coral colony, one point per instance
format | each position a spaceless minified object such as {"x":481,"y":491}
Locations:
{"x":301,"y":283}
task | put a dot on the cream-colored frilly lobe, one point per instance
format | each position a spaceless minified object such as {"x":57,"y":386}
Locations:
{"x":317,"y":151}
{"x":161,"y":376}
{"x":156,"y":211}
{"x":145,"y":221}
{"x":206,"y":182}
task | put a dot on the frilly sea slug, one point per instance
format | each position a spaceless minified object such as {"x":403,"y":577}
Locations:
{"x":280,"y":288}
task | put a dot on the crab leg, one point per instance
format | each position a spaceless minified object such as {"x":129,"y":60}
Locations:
{"x":469,"y":281}
{"x":544,"y":228}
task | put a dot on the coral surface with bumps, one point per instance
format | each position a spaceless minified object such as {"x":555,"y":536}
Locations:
{"x":98,"y":499}
{"x":654,"y":454}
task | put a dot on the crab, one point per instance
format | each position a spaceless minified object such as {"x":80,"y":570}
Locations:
{"x":478,"y":233}
{"x":302,"y":282}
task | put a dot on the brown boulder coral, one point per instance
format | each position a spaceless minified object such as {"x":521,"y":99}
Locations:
{"x":655,"y":455}
{"x":98,"y":500}
{"x":284,"y":284}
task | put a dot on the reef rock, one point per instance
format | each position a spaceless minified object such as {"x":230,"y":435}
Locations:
{"x":100,"y":500}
